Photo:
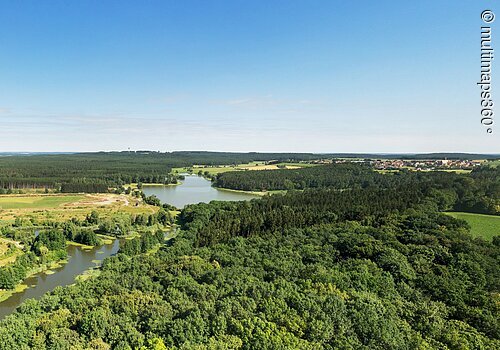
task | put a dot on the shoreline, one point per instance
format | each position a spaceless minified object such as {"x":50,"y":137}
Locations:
{"x":159,"y":184}
{"x":255,"y":193}
{"x":48,"y":268}
{"x":21,"y":286}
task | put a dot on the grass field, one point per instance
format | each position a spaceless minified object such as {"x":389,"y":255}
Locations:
{"x":458,"y":171}
{"x":58,"y":208}
{"x":485,"y":226}
{"x":37,"y":202}
{"x":241,"y":167}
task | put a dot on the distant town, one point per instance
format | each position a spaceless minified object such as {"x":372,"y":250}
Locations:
{"x":413,"y":164}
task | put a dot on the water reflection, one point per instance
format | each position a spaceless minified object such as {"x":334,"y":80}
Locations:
{"x":79,"y":261}
{"x":194,"y":189}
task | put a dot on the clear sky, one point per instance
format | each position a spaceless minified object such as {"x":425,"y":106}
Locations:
{"x":239,"y":75}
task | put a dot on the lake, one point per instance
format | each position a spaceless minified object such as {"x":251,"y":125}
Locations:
{"x":194,"y":189}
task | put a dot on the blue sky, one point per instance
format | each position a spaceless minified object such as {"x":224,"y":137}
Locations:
{"x":312,"y":76}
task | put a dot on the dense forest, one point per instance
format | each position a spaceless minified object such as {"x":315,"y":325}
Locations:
{"x":477,"y":192}
{"x":96,"y":172}
{"x":369,"y":267}
{"x":81,"y":172}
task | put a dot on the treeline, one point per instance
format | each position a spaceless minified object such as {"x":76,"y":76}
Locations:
{"x":338,"y":176}
{"x":79,"y":186}
{"x":477,"y":192}
{"x":142,"y":244}
{"x":89,"y":172}
{"x":219,"y":221}
{"x":81,"y":231}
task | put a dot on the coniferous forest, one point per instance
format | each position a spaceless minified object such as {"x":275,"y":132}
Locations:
{"x":477,"y":192}
{"x":95,"y":172}
{"x":357,"y":260}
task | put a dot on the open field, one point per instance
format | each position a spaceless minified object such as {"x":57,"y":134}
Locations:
{"x":386,"y":171}
{"x":248,"y":166}
{"x":485,"y":226}
{"x":37,"y":202}
{"x":268,"y":166}
{"x":212,"y":170}
{"x":64,"y":207}
{"x":458,"y":171}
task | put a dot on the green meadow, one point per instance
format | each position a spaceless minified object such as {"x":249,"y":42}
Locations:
{"x":240,"y":167}
{"x":485,"y":226}
{"x":39,"y":202}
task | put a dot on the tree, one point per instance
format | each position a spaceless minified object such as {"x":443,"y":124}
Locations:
{"x":87,"y":237}
{"x":93,"y":218}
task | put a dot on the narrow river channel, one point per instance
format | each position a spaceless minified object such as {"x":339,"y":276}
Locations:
{"x":79,"y":261}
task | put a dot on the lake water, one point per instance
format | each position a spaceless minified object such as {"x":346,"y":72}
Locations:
{"x":79,"y":261}
{"x":194,"y":189}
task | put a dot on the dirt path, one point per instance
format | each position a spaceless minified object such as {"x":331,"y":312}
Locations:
{"x":100,"y":199}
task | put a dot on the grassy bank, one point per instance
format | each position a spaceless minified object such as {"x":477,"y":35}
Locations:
{"x":133,"y":185}
{"x":46,"y":268}
{"x":255,"y":193}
